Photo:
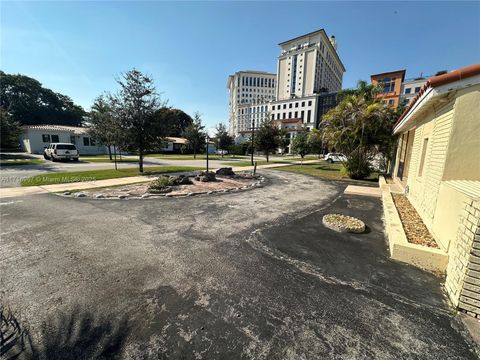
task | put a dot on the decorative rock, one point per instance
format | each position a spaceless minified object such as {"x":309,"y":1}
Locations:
{"x":80,"y":194}
{"x":210,"y":192}
{"x":225,"y":171}
{"x":145,"y":196}
{"x":343,"y":223}
{"x":67,"y":193}
{"x":226,"y":190}
{"x":121,"y":196}
{"x":99,"y":196}
{"x":168,"y":195}
{"x":190,"y":194}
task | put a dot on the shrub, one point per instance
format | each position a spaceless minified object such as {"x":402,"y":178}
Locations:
{"x":162,"y":183}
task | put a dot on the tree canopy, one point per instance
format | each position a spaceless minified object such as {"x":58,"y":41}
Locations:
{"x":222,"y":140}
{"x":195,"y":134}
{"x":29,"y":103}
{"x":174,"y":122}
{"x":300,"y":144}
{"x":9,"y":130}
{"x":360,"y":126}
{"x":134,"y":106}
{"x":267,"y":137}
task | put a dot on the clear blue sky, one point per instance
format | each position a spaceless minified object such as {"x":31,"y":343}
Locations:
{"x":77,"y":48}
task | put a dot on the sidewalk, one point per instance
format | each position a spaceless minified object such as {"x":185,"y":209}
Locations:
{"x":44,"y":189}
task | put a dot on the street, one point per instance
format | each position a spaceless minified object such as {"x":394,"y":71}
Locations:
{"x":248,"y":275}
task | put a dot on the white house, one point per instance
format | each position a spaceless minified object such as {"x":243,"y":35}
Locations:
{"x":35,"y":139}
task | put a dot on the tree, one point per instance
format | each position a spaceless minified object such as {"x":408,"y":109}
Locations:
{"x":103,"y":126}
{"x":29,"y":103}
{"x":360,"y":127}
{"x":134,"y":107}
{"x":283,"y":140}
{"x":10,"y":130}
{"x":195,"y":134}
{"x":222,"y":140}
{"x":173,"y":121}
{"x":267,"y":137}
{"x":315,"y":141}
{"x":300,"y":144}
{"x":365,"y":90}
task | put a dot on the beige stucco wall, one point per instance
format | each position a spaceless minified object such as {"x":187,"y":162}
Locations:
{"x":423,"y":189}
{"x":447,"y":217}
{"x":463,"y":158}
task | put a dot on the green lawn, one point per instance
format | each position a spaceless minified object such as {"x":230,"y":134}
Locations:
{"x":77,"y":176}
{"x":323,"y":170}
{"x":106,"y":158}
{"x":18,"y":159}
{"x":21,"y":162}
{"x":199,"y":157}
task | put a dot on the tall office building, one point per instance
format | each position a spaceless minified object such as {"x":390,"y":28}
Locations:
{"x":247,"y":88}
{"x":309,"y":64}
{"x":310,"y":74}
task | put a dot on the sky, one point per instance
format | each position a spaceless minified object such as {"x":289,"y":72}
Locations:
{"x":79,"y":48}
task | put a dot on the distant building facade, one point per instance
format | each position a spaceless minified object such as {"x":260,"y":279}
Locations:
{"x":410,"y":88}
{"x":392,"y":86}
{"x":309,"y":76}
{"x":246,"y":88}
{"x":308,"y":65}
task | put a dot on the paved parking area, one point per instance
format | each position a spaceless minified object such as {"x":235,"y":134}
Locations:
{"x":252,"y":274}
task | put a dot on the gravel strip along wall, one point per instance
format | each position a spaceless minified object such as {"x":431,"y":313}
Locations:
{"x":463,"y":273}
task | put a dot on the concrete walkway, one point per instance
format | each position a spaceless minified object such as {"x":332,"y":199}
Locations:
{"x":83,"y":185}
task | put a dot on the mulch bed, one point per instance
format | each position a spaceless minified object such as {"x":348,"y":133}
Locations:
{"x":415,"y":229}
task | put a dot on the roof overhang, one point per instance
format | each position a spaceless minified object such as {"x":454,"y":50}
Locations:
{"x":431,"y":96}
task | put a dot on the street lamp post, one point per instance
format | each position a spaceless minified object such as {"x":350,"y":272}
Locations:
{"x":253,"y":135}
{"x":207,"y":151}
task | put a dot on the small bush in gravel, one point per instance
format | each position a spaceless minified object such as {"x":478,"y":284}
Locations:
{"x":162,"y":185}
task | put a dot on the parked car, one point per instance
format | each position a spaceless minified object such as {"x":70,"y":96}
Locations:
{"x":61,"y":151}
{"x":335,"y":157}
{"x":221,"y":152}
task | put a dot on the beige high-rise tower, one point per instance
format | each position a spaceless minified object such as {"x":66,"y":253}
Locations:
{"x":309,"y":64}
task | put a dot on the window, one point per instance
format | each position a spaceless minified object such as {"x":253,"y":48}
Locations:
{"x":86,"y":141}
{"x":278,"y":116}
{"x":45,"y":138}
{"x":284,"y":106}
{"x":284,"y":115}
{"x":303,"y":103}
{"x":66,"y":147}
{"x":296,"y":104}
{"x":417,"y":89}
{"x":55,"y":139}
{"x":290,"y":105}
{"x":309,"y":114}
{"x":408,"y":90}
{"x":388,"y":84}
{"x":302,"y":114}
{"x":422,"y":159}
{"x":273,"y":107}
{"x":289,"y":114}
{"x":310,"y":103}
{"x":296,"y":114}
{"x":390,"y":102}
{"x":72,"y":139}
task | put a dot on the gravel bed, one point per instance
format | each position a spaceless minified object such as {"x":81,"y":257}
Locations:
{"x":415,"y":229}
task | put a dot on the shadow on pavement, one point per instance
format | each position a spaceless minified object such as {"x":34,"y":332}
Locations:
{"x":77,"y":334}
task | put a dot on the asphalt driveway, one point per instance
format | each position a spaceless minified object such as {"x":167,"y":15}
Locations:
{"x":245,"y":275}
